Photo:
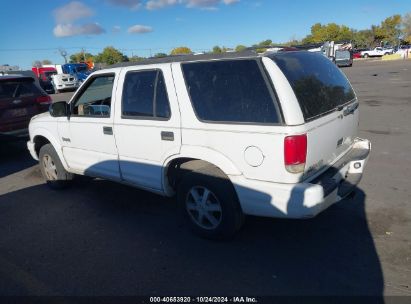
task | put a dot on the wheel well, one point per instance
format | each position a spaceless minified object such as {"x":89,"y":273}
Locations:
{"x":180,"y":166}
{"x":40,"y":141}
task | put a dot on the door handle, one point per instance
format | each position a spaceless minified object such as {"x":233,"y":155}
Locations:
{"x":168,"y":136}
{"x":108,"y":130}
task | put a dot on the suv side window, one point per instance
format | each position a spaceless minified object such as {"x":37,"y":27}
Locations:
{"x":95,"y":99}
{"x":236,"y":91}
{"x":145,"y":96}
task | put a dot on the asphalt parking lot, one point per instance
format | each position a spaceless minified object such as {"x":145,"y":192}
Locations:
{"x":101,"y":238}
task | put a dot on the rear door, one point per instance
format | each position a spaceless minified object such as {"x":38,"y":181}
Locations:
{"x":19,"y":101}
{"x":147,"y":124}
{"x":328,"y":104}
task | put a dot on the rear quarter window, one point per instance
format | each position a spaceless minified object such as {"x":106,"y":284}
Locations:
{"x":234,"y":91}
{"x":318,"y":83}
{"x":18,"y":88}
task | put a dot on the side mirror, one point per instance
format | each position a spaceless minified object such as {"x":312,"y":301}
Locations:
{"x":59,"y":109}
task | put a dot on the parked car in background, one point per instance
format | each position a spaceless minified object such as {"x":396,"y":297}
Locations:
{"x":343,"y":58}
{"x":20,"y":100}
{"x":357,"y":53}
{"x":80,"y":70}
{"x":377,"y":52}
{"x":45,"y":80}
{"x":232,"y":135}
{"x":64,"y":82}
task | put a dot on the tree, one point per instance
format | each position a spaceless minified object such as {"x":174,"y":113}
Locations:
{"x":46,"y":61}
{"x":181,"y":51}
{"x":217,"y":50}
{"x":363,"y":38}
{"x":267,"y":42}
{"x":160,"y":55}
{"x":390,"y":30}
{"x":263,"y":45}
{"x":136,"y":58}
{"x":240,"y":48}
{"x":110,"y":55}
{"x":37,"y":64}
{"x":81,"y":57}
{"x":406,"y":27}
{"x":328,"y":32}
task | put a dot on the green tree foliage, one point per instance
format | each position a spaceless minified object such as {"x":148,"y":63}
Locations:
{"x":406,"y":28}
{"x":328,"y":32}
{"x":181,"y":51}
{"x":390,"y":30}
{"x":136,"y":58}
{"x":160,"y":55}
{"x":263,"y":45}
{"x":363,"y":38}
{"x":217,"y":50}
{"x":46,"y":61}
{"x":240,"y":48}
{"x":110,"y":55}
{"x":81,"y":57}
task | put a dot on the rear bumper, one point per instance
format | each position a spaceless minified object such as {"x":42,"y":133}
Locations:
{"x":306,"y":199}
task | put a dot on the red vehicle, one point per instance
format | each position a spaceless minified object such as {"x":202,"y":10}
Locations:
{"x":356,"y":54}
{"x":44,"y":75}
{"x":20,"y":100}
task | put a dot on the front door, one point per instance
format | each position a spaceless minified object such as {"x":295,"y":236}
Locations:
{"x":87,"y":136}
{"x":147,"y":124}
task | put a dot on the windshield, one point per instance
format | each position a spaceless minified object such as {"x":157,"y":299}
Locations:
{"x":318,"y":84}
{"x":81,"y":69}
{"x":342,"y":55}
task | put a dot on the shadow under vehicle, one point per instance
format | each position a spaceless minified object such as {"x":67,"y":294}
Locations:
{"x":110,"y":239}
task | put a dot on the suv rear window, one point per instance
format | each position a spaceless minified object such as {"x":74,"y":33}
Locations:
{"x":319,"y":85}
{"x":235,"y":91}
{"x":18,"y":88}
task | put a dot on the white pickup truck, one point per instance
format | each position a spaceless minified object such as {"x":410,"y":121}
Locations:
{"x":231,"y":135}
{"x":377,"y":52}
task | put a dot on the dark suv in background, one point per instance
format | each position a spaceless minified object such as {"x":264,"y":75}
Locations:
{"x":20,"y":100}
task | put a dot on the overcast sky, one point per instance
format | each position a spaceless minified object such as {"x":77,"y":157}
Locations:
{"x":35,"y":30}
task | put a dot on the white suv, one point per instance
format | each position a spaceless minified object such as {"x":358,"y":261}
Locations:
{"x":231,"y":135}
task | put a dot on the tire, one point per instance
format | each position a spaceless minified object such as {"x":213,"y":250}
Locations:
{"x":366,"y":55}
{"x":386,"y":54}
{"x":219,"y":216}
{"x":52,"y":169}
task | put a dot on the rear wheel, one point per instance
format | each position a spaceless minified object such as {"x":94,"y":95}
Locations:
{"x":52,"y":169}
{"x":366,"y":55}
{"x":209,"y":203}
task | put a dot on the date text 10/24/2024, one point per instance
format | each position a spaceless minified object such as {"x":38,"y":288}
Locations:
{"x":203,"y":300}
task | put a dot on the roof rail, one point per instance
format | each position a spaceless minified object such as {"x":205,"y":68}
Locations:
{"x":187,"y":58}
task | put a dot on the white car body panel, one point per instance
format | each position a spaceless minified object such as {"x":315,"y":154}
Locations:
{"x":251,"y":155}
{"x":141,"y":150}
{"x":87,"y":150}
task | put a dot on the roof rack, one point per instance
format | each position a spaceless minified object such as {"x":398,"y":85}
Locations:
{"x":187,"y":58}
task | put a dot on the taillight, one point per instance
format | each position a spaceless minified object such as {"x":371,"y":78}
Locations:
{"x":295,"y":153}
{"x":44,"y":100}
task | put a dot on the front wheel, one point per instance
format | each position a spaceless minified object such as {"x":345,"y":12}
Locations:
{"x":52,"y":169}
{"x":366,"y":55}
{"x":210,"y":204}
